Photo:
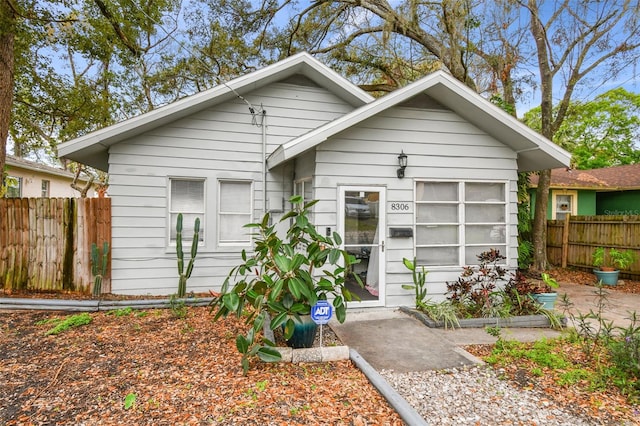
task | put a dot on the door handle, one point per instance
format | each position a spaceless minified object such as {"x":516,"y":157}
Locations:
{"x":382,"y":245}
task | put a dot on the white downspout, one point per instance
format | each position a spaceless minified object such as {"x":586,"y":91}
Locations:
{"x":264,"y":161}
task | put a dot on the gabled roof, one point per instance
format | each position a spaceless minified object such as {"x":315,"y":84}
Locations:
{"x":606,"y":179}
{"x":535,"y":152}
{"x":21,"y":163}
{"x":92,"y":149}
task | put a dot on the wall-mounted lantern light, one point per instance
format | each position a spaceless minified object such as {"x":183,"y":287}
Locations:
{"x":402,"y":162}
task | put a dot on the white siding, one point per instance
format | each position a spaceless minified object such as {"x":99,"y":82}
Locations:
{"x":216,"y":143}
{"x":439,"y":145}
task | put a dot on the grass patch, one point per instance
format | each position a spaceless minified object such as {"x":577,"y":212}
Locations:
{"x":123,"y":312}
{"x":69,"y":322}
{"x":561,"y":362}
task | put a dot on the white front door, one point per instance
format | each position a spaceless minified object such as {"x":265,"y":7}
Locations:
{"x":361,"y":213}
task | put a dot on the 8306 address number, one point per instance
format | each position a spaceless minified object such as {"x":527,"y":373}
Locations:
{"x":402,"y":207}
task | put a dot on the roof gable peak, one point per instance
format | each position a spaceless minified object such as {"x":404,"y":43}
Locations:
{"x":92,"y":149}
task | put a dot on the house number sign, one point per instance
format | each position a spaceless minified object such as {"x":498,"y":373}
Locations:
{"x":400,"y":207}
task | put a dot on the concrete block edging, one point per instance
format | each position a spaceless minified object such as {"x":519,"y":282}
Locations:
{"x":526,"y":321}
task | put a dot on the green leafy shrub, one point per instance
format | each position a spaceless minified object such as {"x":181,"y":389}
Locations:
{"x":624,"y":349}
{"x":443,"y":311}
{"x":596,"y":335}
{"x":475,"y":293}
{"x":283,"y":279}
{"x":613,"y":258}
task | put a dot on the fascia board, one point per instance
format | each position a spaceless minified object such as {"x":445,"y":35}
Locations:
{"x":454,"y":95}
{"x":494,"y":120}
{"x":309,"y":140}
{"x":176,"y":110}
{"x":299,"y":63}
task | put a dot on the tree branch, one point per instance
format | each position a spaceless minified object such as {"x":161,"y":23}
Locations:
{"x":133,"y":48}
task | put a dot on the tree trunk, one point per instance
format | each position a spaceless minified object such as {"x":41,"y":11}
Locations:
{"x":539,"y":230}
{"x":546,"y":114}
{"x":7,"y":35}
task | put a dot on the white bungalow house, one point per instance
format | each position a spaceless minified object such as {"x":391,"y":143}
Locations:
{"x":231,"y":153}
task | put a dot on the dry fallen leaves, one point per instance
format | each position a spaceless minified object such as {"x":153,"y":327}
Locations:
{"x":604,"y":406}
{"x":179,"y":371}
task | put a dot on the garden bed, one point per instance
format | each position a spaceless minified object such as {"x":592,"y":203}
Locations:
{"x":525,"y":321}
{"x":150,"y":367}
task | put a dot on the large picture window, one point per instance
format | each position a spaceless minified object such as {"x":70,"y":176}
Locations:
{"x":235,"y":206}
{"x":187,"y":197}
{"x":456,"y":221}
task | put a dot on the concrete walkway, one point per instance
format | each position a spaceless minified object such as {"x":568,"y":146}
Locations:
{"x":390,"y":339}
{"x":618,"y":305}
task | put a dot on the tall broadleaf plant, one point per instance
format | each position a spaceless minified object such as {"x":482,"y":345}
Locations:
{"x":283,"y":278}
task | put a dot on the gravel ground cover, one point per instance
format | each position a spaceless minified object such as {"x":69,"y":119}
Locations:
{"x":476,"y":396}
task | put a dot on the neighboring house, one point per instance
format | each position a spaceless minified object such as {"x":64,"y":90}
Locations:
{"x":28,"y":179}
{"x":229,"y":154}
{"x":606,"y":191}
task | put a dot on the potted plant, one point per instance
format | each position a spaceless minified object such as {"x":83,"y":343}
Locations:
{"x":282,"y":279}
{"x":608,"y":263}
{"x":544,"y":293}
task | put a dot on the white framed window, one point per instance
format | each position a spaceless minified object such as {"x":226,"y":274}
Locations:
{"x":235,"y":207}
{"x":304,"y":188}
{"x":564,"y":204}
{"x":14,"y":187}
{"x":45,"y":188}
{"x":456,"y":221}
{"x":186,"y":197}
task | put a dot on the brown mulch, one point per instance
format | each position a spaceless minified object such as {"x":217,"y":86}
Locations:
{"x":75,"y":295}
{"x":580,"y":277}
{"x":181,"y":371}
{"x":187,"y":371}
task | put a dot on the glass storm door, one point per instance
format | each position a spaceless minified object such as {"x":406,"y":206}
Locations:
{"x":362,"y":225}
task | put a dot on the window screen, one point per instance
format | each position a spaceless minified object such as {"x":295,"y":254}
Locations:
{"x":187,"y":197}
{"x":235,"y":203}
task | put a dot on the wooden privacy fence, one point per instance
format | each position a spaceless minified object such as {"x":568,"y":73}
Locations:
{"x":45,"y":243}
{"x":572,"y":242}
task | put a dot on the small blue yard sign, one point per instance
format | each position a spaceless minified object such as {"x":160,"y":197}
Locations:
{"x":321,"y":312}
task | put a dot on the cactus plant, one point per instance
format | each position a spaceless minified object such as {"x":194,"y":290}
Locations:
{"x":184,"y":275}
{"x":99,"y":266}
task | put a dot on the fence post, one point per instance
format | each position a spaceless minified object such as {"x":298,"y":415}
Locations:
{"x":565,"y":241}
{"x":69,"y":237}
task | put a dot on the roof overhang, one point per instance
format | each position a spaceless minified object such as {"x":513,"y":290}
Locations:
{"x":92,"y":149}
{"x":534,"y":151}
{"x":19,"y":163}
